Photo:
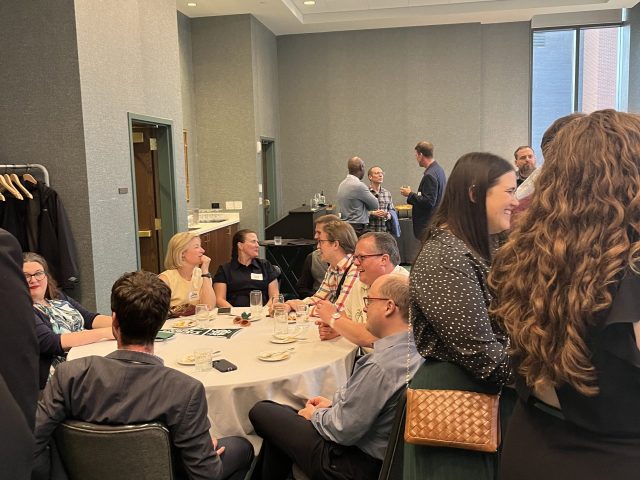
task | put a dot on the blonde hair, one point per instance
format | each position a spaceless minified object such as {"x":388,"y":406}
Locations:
{"x":341,"y":232}
{"x":175,"y":249}
{"x":559,"y":269}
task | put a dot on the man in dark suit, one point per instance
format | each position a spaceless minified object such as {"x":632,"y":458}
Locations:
{"x":426,"y":200}
{"x":18,"y":363}
{"x":131,"y":385}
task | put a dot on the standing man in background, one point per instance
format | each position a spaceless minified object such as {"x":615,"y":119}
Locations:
{"x":378,"y":218}
{"x":430,"y":191}
{"x":354,"y":198}
{"x":525,"y":163}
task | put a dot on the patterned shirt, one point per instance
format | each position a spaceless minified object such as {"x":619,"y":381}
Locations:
{"x":377,"y":224}
{"x":345,"y":269}
{"x":449,"y":303}
{"x":64,"y":319}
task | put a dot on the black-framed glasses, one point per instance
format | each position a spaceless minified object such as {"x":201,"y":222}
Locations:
{"x":368,"y":300}
{"x":39,"y":275}
{"x":359,"y":258}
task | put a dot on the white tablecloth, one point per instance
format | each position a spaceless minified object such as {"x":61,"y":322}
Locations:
{"x":314,"y":368}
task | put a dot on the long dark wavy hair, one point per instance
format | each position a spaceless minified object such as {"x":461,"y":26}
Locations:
{"x":569,"y":250}
{"x":463,"y":208}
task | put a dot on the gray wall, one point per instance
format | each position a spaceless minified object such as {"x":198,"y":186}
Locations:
{"x":41,"y":111}
{"x":376,"y":93}
{"x":265,"y":94}
{"x":235,"y":84}
{"x":188,"y":103}
{"x":634,"y":59}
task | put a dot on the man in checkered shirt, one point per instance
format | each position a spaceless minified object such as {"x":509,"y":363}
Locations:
{"x":378,"y":218}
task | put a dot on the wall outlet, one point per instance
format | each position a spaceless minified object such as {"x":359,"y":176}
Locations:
{"x":238,"y":205}
{"x":229,"y":205}
{"x":215,"y":205}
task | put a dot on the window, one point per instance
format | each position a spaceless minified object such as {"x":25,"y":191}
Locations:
{"x":575,"y":70}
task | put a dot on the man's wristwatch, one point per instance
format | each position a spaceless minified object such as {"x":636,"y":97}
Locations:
{"x":334,"y":317}
{"x":206,"y":275}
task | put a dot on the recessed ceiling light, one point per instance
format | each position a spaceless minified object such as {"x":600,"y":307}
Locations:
{"x":192,"y":4}
{"x":309,"y":2}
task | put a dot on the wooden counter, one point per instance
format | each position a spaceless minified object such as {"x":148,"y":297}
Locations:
{"x":216,"y":239}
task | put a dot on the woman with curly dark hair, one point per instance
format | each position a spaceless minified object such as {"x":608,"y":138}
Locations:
{"x":567,"y":288}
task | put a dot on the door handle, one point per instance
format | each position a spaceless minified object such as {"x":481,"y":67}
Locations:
{"x":267,"y":203}
{"x":144,"y":233}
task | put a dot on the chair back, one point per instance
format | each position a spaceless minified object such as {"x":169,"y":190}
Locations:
{"x":89,"y":451}
{"x":393,"y":456}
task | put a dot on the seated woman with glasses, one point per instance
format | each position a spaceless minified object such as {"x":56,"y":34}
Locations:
{"x":465,"y":349}
{"x":61,"y":322}
{"x":235,"y":280}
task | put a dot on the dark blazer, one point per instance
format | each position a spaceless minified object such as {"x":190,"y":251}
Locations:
{"x":16,"y":438}
{"x":426,"y":200}
{"x":49,"y":341}
{"x":128,"y":387}
{"x":18,"y":346}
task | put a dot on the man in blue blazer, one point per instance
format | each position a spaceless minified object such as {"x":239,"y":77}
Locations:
{"x":426,"y":200}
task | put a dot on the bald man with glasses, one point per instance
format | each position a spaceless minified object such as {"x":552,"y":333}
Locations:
{"x":346,"y":437}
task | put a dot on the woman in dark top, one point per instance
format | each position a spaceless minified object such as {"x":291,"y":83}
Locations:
{"x":61,"y":322}
{"x":235,"y":280}
{"x":465,"y":349}
{"x":568,"y":291}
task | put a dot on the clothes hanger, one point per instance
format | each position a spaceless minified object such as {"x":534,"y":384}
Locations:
{"x":16,"y":181}
{"x":5,"y":181}
{"x":27,"y":177}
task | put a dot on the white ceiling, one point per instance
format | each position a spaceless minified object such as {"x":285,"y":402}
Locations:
{"x":284,"y":17}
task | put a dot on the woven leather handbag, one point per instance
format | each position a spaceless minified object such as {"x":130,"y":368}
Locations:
{"x":453,"y":418}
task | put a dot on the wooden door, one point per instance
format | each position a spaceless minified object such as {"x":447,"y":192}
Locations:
{"x":147,"y":197}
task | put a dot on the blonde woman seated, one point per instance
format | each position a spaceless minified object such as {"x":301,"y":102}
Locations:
{"x":61,"y":322}
{"x":187,"y":271}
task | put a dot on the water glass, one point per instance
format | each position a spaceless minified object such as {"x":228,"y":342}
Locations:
{"x":277,"y":240}
{"x":255,"y":302}
{"x":202,"y":313}
{"x":280,"y":322}
{"x":302,"y":315}
{"x":202,"y":358}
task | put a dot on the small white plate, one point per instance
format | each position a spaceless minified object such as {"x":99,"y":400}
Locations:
{"x":187,"y":360}
{"x":184,"y":324}
{"x":267,"y":357}
{"x":283,"y":339}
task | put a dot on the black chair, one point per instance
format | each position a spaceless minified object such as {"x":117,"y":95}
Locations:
{"x":89,"y":451}
{"x":393,"y":456}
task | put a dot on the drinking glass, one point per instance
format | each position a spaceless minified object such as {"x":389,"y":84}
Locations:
{"x":302,"y":315}
{"x":202,"y":313}
{"x":277,"y":240}
{"x":255,"y":301}
{"x":202,"y":358}
{"x":280,"y":322}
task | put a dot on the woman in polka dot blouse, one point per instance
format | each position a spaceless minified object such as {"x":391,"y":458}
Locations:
{"x":465,"y":349}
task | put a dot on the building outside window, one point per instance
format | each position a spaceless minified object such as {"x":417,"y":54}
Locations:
{"x":576,"y":70}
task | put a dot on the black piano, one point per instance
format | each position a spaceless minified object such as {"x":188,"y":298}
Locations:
{"x":296,"y":230}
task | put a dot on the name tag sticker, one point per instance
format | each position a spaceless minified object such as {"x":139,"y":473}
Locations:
{"x":193,"y":295}
{"x":256,"y":276}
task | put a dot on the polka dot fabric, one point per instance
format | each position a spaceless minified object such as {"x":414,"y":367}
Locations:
{"x":449,"y":302}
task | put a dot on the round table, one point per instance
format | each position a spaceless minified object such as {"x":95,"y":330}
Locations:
{"x":314,"y":368}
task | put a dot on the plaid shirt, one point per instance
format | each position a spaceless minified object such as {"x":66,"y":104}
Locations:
{"x":377,"y":224}
{"x":332,"y":278}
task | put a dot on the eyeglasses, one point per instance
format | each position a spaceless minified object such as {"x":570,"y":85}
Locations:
{"x":359,"y":258}
{"x":38,"y":276}
{"x":368,"y":300}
